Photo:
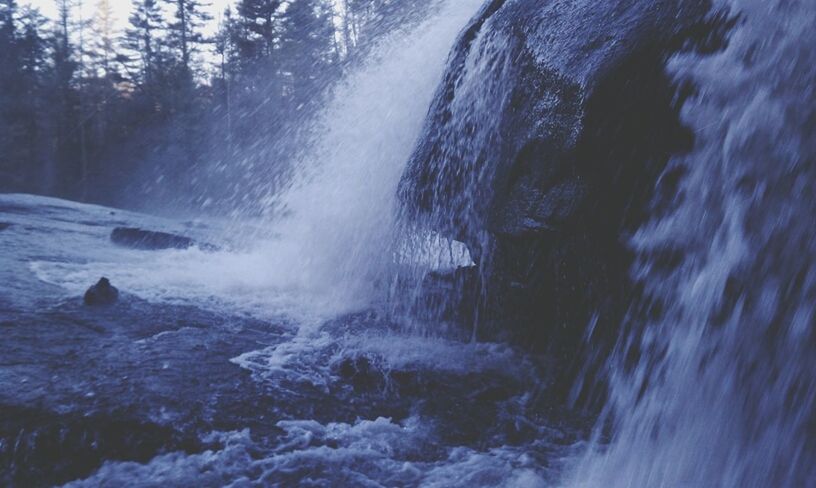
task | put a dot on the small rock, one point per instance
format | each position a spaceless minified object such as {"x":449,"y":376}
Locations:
{"x":102,"y":293}
{"x":4,"y":225}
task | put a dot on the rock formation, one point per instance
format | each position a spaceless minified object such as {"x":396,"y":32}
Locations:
{"x":541,"y":151}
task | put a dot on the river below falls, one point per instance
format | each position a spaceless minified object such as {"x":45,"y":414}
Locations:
{"x":200,"y":377}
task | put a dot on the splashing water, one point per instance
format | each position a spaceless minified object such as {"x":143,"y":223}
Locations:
{"x":331,"y":230}
{"x":337,"y":236}
{"x":724,"y":390}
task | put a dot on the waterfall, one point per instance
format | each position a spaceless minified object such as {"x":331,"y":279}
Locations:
{"x":722,"y":391}
{"x":600,"y":212}
{"x":341,"y":205}
{"x":327,"y":241}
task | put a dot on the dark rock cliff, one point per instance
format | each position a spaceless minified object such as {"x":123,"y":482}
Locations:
{"x":542,"y":150}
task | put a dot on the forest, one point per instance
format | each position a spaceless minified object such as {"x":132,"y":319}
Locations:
{"x":163,"y":112}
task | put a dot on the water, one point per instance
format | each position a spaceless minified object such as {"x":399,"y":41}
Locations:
{"x":717,"y":389}
{"x":269,"y":353}
{"x":327,"y":241}
{"x":275,"y":355}
{"x":337,"y":236}
{"x":724,"y":392}
{"x":462,"y":151}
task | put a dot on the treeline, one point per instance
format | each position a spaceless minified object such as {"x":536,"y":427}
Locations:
{"x":164,"y":112}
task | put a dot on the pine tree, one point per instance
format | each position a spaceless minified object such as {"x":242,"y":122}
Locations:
{"x":23,"y":150}
{"x":222,"y":43}
{"x":62,"y":100}
{"x":308,"y":42}
{"x":184,"y":35}
{"x":9,"y":88}
{"x":259,"y":18}
{"x":142,"y":39}
{"x":8,"y":29}
{"x":104,"y":48}
{"x":31,"y":45}
{"x":31,"y":50}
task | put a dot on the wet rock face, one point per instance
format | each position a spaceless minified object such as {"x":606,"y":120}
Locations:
{"x":542,"y":148}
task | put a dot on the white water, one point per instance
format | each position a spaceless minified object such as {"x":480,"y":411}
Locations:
{"x":337,"y":237}
{"x":329,"y":250}
{"x":369,"y":443}
{"x":730,"y":366}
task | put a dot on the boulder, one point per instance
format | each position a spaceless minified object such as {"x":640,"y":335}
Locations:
{"x":541,"y":151}
{"x":149,"y":240}
{"x":102,"y":293}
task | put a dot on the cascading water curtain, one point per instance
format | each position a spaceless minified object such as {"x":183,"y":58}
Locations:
{"x":724,"y":391}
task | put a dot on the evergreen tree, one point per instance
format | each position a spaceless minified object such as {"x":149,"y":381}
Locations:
{"x":142,"y":39}
{"x":9,"y":89}
{"x":8,"y":31}
{"x":22,"y":63}
{"x":31,"y":51}
{"x":308,"y":42}
{"x":62,"y":100}
{"x":98,"y":92}
{"x":104,"y":48}
{"x":259,"y":18}
{"x":184,"y":35}
{"x":365,"y":20}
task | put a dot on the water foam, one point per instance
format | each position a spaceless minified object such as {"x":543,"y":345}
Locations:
{"x":373,"y":453}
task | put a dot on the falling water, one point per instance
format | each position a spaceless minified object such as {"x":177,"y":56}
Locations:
{"x":328,"y":238}
{"x":336,"y":237}
{"x":724,"y":390}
